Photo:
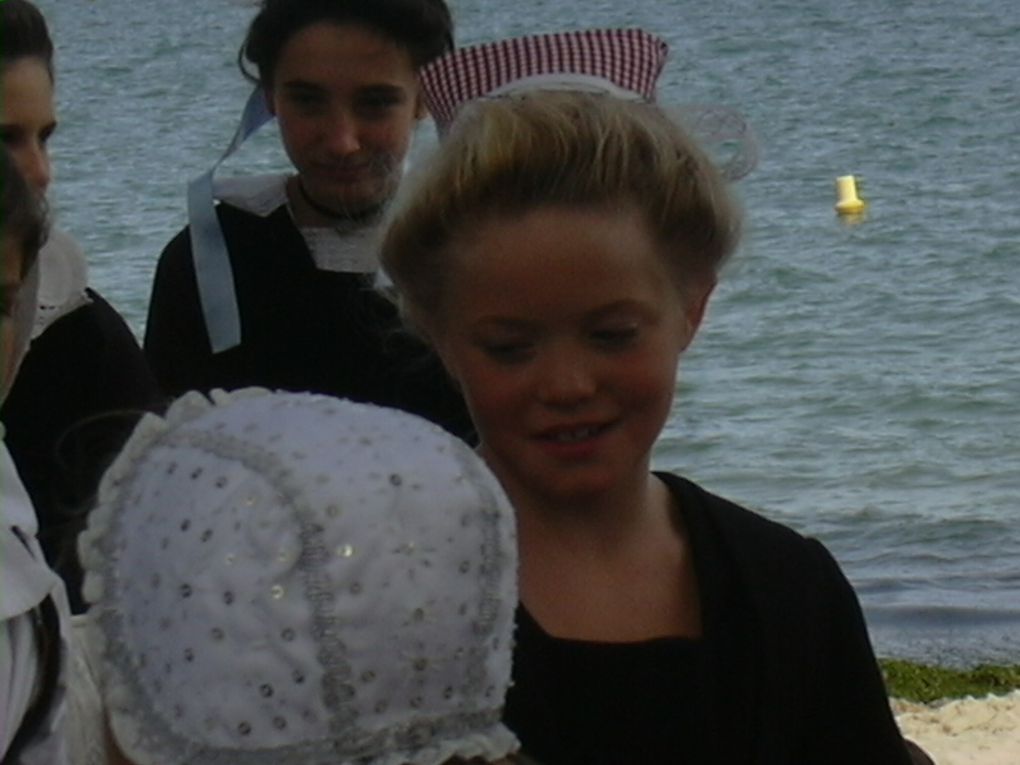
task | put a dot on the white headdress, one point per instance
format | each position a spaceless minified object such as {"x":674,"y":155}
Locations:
{"x":292,"y":578}
{"x":623,"y":63}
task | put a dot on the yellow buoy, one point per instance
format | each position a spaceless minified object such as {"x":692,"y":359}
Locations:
{"x":847,"y":201}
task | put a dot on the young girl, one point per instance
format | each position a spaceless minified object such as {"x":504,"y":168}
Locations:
{"x":286,"y":302}
{"x":292,"y":578}
{"x":559,"y":253}
{"x":33,"y":606}
{"x":84,"y":363}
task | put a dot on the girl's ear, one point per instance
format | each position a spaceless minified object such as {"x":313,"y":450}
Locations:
{"x":442,"y":351}
{"x":694,"y":312}
{"x":451,"y":372}
{"x":427,"y":333}
{"x":420,"y":110}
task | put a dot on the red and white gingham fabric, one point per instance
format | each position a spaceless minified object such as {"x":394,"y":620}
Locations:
{"x":627,"y":59}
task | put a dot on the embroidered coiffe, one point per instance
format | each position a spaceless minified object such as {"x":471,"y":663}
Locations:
{"x":293,"y":578}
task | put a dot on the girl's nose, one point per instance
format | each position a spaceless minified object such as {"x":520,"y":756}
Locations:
{"x":565,"y":379}
{"x":343,"y":136}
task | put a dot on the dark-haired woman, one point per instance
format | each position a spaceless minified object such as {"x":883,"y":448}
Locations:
{"x":85,"y":375}
{"x":340,"y":77}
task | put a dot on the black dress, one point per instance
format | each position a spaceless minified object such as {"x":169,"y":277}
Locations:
{"x":302,"y":328}
{"x":783,"y":674}
{"x":77,"y":396}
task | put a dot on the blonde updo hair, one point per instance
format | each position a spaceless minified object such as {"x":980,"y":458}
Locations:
{"x":507,"y":156}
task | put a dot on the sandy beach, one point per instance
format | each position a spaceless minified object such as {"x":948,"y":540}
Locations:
{"x":965,"y":731}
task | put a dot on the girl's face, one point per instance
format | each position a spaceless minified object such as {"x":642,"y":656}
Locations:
{"x":564,"y":328}
{"x":27,"y":118}
{"x":347,"y":101}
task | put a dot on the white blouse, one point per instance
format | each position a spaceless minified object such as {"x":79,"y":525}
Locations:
{"x":25,"y":582}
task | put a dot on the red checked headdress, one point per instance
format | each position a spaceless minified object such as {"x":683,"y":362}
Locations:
{"x":621,"y":62}
{"x":625,"y":63}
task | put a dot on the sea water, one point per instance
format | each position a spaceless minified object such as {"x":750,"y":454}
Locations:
{"x":858,"y":380}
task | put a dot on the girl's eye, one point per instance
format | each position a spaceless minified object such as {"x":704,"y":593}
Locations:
{"x":378,"y":103}
{"x":306,"y":101}
{"x":507,"y":352}
{"x":613,"y":338}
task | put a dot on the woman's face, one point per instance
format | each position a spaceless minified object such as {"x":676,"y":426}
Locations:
{"x":347,"y":101}
{"x":27,"y":118}
{"x":564,"y":329}
{"x":11,"y":256}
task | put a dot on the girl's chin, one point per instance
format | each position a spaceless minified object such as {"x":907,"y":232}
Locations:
{"x":352,"y":196}
{"x":566,"y":490}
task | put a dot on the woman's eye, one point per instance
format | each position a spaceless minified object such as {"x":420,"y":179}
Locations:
{"x":13,"y":137}
{"x":8,"y":306}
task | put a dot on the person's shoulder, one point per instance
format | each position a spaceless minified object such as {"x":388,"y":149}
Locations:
{"x":260,"y":195}
{"x":777,"y":564}
{"x":728,"y":516}
{"x":246,"y":207}
{"x":766,"y":551}
{"x":96,"y":318}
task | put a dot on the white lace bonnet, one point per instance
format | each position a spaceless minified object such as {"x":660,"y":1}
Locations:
{"x":292,"y":578}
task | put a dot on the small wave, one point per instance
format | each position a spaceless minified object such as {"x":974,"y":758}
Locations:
{"x":942,"y":617}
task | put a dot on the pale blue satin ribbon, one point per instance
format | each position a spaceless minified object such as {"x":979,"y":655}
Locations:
{"x":213,"y":272}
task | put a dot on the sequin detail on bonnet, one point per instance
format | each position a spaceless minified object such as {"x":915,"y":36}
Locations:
{"x":287,"y":577}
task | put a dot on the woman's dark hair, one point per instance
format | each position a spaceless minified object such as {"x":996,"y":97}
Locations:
{"x":22,"y":212}
{"x":23,"y":33}
{"x":424,"y":28}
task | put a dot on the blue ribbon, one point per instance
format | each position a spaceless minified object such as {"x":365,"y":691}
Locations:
{"x":213,"y":272}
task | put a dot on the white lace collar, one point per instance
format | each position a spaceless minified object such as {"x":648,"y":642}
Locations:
{"x":63,"y":277}
{"x":348,"y":250}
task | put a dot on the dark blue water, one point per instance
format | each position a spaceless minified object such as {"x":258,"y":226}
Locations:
{"x":860,"y":382}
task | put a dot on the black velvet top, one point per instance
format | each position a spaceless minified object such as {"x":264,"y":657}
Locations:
{"x":627,"y":698}
{"x":783,"y":674}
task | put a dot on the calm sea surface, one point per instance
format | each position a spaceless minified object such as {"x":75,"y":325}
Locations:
{"x":859,"y":382}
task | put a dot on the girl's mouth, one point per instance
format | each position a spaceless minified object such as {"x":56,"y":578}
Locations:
{"x":575,"y":434}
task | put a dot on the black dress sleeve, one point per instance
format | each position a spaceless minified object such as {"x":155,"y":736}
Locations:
{"x":176,"y":344}
{"x":850,"y":720}
{"x":791,"y":617}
